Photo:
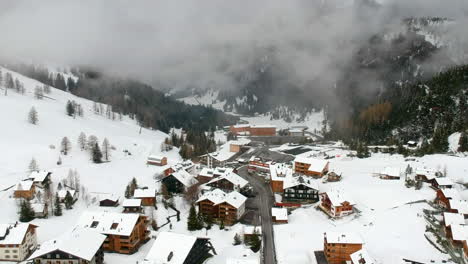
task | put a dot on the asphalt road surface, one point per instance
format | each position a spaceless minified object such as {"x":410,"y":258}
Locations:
{"x":265,"y":200}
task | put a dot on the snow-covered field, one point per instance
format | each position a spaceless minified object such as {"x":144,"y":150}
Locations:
{"x":21,"y":141}
{"x":390,"y":228}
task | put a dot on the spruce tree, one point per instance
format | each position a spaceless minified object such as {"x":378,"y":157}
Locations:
{"x":200,"y":220}
{"x":463,"y":143}
{"x":221,"y":225}
{"x":33,"y":166}
{"x":70,"y":108}
{"x":65,"y":146}
{"x":26,"y":212}
{"x":38,"y":93}
{"x":58,"y":206}
{"x":127,"y":192}
{"x":68,"y":201}
{"x":82,"y":141}
{"x":96,"y":154}
{"x":192,"y":222}
{"x":255,"y":242}
{"x":33,"y":116}
{"x":106,"y":149}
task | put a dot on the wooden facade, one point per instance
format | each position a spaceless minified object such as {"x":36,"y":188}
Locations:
{"x":340,"y":253}
{"x":222,"y":184}
{"x":223,"y":212}
{"x":173,"y":185}
{"x":336,"y":210}
{"x":60,"y":257}
{"x":128,"y":244}
{"x":25,"y":194}
{"x":109,"y":202}
{"x":157,"y":161}
{"x":277,"y":186}
{"x":301,"y":193}
{"x":442,"y":199}
{"x":303,"y":168}
{"x":253,"y":130}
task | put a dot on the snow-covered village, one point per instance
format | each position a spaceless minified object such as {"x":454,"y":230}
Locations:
{"x":298,"y":132}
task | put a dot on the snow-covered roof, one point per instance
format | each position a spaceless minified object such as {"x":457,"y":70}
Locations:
{"x":279,"y":213}
{"x":131,"y":203}
{"x":241,"y":261}
{"x":109,"y":223}
{"x":453,"y":219}
{"x":155,"y":158}
{"x":280,"y":171}
{"x":263,"y":126}
{"x":300,"y":180}
{"x":223,"y":153}
{"x":217,"y":196}
{"x":145,"y":193}
{"x":233,"y":178}
{"x":110,"y":197}
{"x":251,"y":229}
{"x":240,"y":141}
{"x":338,"y":197}
{"x":460,"y":205}
{"x":444,"y":181}
{"x":362,"y":256}
{"x":63,"y":193}
{"x":315,"y":164}
{"x":16,"y":233}
{"x":391,"y":171}
{"x":39,"y":176}
{"x":185,"y":165}
{"x":170,"y":248}
{"x":450,"y":193}
{"x":459,"y":232}
{"x":343,"y":238}
{"x":429,"y":173}
{"x":241,"y":126}
{"x":184,"y":177}
{"x":79,"y":242}
{"x":23,"y":186}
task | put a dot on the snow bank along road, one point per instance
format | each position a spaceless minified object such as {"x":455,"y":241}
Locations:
{"x":265,"y":202}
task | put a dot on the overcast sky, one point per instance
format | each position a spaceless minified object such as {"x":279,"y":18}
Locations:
{"x":199,"y":42}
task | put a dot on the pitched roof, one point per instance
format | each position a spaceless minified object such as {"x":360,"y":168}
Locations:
{"x":280,"y":171}
{"x":218,"y":196}
{"x":362,"y":257}
{"x":184,"y":177}
{"x":453,"y":219}
{"x":233,"y":178}
{"x":279,"y":213}
{"x":155,"y":158}
{"x":429,"y":173}
{"x":170,"y":248}
{"x":23,"y":186}
{"x":109,"y":223}
{"x":300,"y":180}
{"x":16,"y":233}
{"x":338,"y":197}
{"x":315,"y":164}
{"x":110,"y":197}
{"x":444,"y":181}
{"x":460,"y":205}
{"x":343,"y":238}
{"x":459,"y":232}
{"x":78,"y":242}
{"x":131,"y":203}
{"x":39,"y":176}
{"x":450,"y":193}
{"x":391,"y":171}
{"x":38,"y":207}
{"x":145,"y":193}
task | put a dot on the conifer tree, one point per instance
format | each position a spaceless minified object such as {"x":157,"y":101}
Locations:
{"x":58,"y":206}
{"x":106,"y":149}
{"x":92,"y":140}
{"x":221,"y":225}
{"x":463,"y":143}
{"x":96,"y":154}
{"x":127,"y":192}
{"x":33,"y":166}
{"x":38,"y":93}
{"x":68,"y":201}
{"x":65,"y":146}
{"x":33,"y":116}
{"x":82,"y":141}
{"x":192,"y":222}
{"x":237,"y":240}
{"x":26,"y":212}
{"x":70,"y":108}
{"x":200,"y":220}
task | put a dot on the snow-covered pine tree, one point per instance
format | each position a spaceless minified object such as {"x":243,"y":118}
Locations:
{"x":82,"y":141}
{"x":92,"y":140}
{"x":96,"y":154}
{"x":47,"y":89}
{"x":68,"y":201}
{"x":26,"y":212}
{"x":58,"y":206}
{"x":70,"y":109}
{"x":65,"y":146}
{"x":33,"y":166}
{"x":38,"y":93}
{"x":106,"y":149}
{"x":33,"y":116}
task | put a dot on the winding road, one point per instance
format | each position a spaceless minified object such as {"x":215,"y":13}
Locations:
{"x":265,"y":200}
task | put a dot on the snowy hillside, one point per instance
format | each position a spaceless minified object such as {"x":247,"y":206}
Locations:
{"x":22,"y":141}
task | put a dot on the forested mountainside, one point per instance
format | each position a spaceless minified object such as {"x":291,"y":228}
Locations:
{"x":149,"y":106}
